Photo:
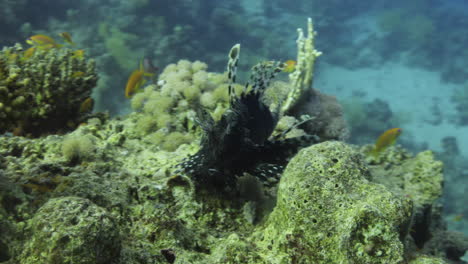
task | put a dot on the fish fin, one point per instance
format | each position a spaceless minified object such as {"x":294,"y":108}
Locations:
{"x":148,"y":74}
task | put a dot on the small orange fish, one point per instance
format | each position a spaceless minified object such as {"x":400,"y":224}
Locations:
{"x":29,"y":52}
{"x":67,"y":37}
{"x":290,"y":66}
{"x":40,"y":40}
{"x":87,"y":105}
{"x":43,"y":42}
{"x":136,"y":80}
{"x":385,"y":140}
{"x":78,"y":54}
{"x":77,"y":74}
{"x":458,"y":218}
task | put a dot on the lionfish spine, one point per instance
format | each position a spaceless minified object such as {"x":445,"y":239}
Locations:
{"x":232,"y":70}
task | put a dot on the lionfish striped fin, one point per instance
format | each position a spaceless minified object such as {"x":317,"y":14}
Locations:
{"x":232,"y":70}
{"x":263,"y":73}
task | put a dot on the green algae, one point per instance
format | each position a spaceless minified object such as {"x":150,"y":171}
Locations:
{"x":329,"y":209}
{"x":329,"y":212}
{"x":72,"y":230}
{"x":427,"y":260}
{"x":418,"y":178}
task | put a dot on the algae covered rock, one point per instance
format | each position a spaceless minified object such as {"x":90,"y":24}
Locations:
{"x":329,"y":212}
{"x":72,"y":230}
{"x":419,"y":178}
{"x":235,"y":250}
{"x":44,"y":92}
{"x":422,"y":178}
{"x":427,"y":260}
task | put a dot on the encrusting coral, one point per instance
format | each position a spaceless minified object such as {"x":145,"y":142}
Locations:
{"x":72,"y":230}
{"x":329,"y":212}
{"x":42,"y":93}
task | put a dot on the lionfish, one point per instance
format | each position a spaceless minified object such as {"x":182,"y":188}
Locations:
{"x":241,"y":141}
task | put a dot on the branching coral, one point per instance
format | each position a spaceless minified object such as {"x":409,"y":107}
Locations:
{"x":43,"y":92}
{"x":302,"y":77}
{"x":327,"y":122}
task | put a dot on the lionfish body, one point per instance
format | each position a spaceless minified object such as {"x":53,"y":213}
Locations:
{"x":240,"y":141}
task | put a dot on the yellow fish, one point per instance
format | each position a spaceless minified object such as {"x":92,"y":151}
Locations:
{"x":78,"y":54}
{"x":290,"y":66}
{"x":29,"y":52}
{"x":87,"y":105}
{"x":136,"y":80}
{"x":77,"y":74}
{"x":385,"y":140}
{"x":457,"y":218}
{"x":42,"y":41}
{"x":67,"y":37}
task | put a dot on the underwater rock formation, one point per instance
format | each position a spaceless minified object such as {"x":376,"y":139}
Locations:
{"x":43,"y":92}
{"x":158,"y":215}
{"x":72,"y":230}
{"x":329,"y":212}
{"x":419,"y":178}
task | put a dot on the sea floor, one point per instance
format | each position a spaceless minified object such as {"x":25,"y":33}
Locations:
{"x":414,"y":93}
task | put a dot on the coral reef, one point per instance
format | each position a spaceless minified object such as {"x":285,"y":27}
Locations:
{"x":72,"y":230}
{"x":419,"y":177}
{"x":42,"y":93}
{"x":327,"y":116}
{"x":322,"y":186}
{"x":156,"y":215}
{"x":302,"y":78}
{"x":109,"y":193}
{"x":166,"y":113}
{"x":77,"y":148}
